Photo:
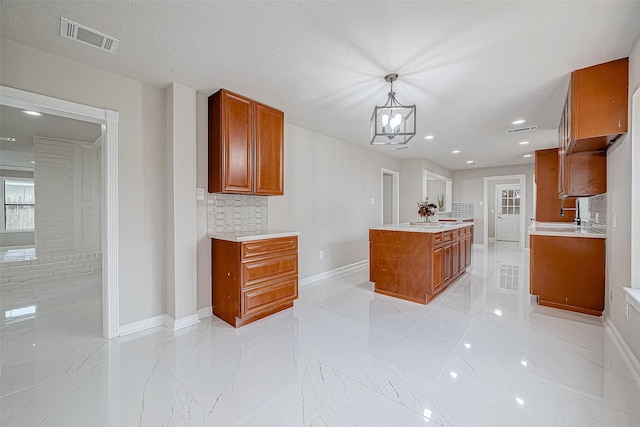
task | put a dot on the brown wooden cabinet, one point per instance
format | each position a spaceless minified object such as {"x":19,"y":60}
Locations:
{"x":417,"y":266}
{"x":251,"y":280}
{"x":568,"y":272}
{"x":598,"y":106}
{"x":246,"y":146}
{"x":548,"y":202}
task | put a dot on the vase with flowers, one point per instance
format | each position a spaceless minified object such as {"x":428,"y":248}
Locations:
{"x":428,"y":211}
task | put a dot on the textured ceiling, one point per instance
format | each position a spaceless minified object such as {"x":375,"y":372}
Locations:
{"x":470,"y":67}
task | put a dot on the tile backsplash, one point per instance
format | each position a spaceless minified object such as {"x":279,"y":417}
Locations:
{"x":233,"y":213}
{"x":589,"y":207}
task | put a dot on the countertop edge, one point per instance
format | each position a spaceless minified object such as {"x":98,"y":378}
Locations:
{"x":405,"y":227}
{"x":249,"y":236}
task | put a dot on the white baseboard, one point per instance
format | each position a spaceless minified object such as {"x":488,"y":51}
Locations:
{"x":341,"y":271}
{"x":477,"y":246}
{"x":205,"y":312}
{"x":133,"y":327}
{"x":183,"y":322}
{"x":625,"y":350}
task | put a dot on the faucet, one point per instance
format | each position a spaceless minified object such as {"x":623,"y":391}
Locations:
{"x":576,"y":218}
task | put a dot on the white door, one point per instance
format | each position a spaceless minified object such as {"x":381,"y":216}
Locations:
{"x":508,"y":212}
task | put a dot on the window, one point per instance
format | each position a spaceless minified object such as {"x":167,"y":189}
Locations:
{"x":18,"y":213}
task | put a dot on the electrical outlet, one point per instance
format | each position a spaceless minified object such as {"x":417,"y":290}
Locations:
{"x":626,"y":310}
{"x":615,"y":220}
{"x":321,"y":255}
{"x":597,"y":217}
{"x":373,"y":201}
{"x":610,"y":295}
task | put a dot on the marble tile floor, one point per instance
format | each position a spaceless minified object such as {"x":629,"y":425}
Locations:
{"x":479,"y":355}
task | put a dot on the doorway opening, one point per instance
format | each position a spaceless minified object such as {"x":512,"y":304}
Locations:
{"x":512,"y":226}
{"x":106,"y":238}
{"x":390,"y":196}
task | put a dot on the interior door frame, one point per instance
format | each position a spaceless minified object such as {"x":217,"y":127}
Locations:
{"x":108,"y":119}
{"x":395,"y":201}
{"x":523,"y":206}
{"x":495,"y":219}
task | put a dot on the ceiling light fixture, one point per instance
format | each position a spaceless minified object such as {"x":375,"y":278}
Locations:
{"x":527,"y":155}
{"x":31,"y":113}
{"x":393,"y":123}
{"x":429,"y":137}
{"x":518,"y":122}
{"x":455,"y":152}
{"x":471,"y":162}
{"x":523,"y":142}
{"x":7,"y":138}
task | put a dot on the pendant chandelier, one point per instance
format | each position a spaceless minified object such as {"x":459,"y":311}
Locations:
{"x":393,"y":123}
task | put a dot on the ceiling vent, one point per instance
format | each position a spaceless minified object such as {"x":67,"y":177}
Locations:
{"x":524,"y":129}
{"x":74,"y":31}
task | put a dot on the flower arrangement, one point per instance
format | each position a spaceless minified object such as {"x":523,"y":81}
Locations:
{"x":426,"y":209}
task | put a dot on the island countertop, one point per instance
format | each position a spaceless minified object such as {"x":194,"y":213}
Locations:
{"x":562,"y":229}
{"x":248,"y":236}
{"x":427,"y":227}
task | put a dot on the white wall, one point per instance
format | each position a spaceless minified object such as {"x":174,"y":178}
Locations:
{"x":141,"y":162}
{"x":202,"y":180}
{"x":619,"y":199}
{"x":327,"y":191}
{"x":468,"y":187}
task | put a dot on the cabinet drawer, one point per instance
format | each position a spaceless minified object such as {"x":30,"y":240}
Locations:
{"x":455,"y":233}
{"x":269,"y":246}
{"x":267,"y":268}
{"x":437,"y":239}
{"x":446,"y":236}
{"x":269,"y":296}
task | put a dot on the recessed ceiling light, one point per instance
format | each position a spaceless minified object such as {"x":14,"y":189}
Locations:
{"x":7,"y":138}
{"x":471,"y":162}
{"x":527,"y":155}
{"x":524,"y":363}
{"x":467,"y":345}
{"x":455,"y":151}
{"x":519,"y":401}
{"x":31,"y":113}
{"x":33,"y":162}
{"x":428,"y":137}
{"x":497,"y":312}
{"x":453,"y":375}
{"x":523,"y":142}
{"x":518,"y":122}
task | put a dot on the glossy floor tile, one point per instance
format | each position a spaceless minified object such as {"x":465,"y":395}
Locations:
{"x":479,"y":355}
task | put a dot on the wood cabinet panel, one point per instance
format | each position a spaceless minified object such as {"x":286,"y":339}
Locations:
{"x":437,"y":278}
{"x":455,"y":259}
{"x":246,"y":146}
{"x":467,"y":248}
{"x":586,"y":174}
{"x":548,"y":202}
{"x":269,"y":146}
{"x":268,"y":296}
{"x":599,"y":105}
{"x":254,"y":279}
{"x":230,"y":143}
{"x":265,"y":268}
{"x":568,"y":273}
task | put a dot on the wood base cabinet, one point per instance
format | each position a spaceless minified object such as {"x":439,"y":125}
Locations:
{"x":418,"y":266}
{"x":251,"y":280}
{"x":568,"y":273}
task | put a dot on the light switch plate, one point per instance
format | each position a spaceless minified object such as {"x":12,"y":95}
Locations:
{"x":199,"y":193}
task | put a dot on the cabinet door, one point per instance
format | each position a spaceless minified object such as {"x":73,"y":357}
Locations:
{"x":547,"y":178}
{"x":446,"y":263}
{"x":269,"y":143}
{"x":455,"y":258}
{"x":230,"y":143}
{"x":468,"y":251}
{"x":586,"y":174}
{"x":436,"y":272}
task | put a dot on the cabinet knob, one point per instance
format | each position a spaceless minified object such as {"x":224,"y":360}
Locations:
{"x":229,"y":274}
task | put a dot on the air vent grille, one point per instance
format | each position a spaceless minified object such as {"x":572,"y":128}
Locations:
{"x":524,"y":129}
{"x":74,"y":31}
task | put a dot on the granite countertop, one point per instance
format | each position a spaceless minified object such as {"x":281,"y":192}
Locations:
{"x":427,"y":227}
{"x":247,"y":236}
{"x":563,"y":229}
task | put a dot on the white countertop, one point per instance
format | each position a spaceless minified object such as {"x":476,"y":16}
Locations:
{"x":247,"y":236}
{"x":455,"y":218}
{"x":427,"y":227}
{"x":563,"y":229}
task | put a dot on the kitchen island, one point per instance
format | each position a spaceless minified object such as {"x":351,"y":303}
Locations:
{"x":418,"y":262}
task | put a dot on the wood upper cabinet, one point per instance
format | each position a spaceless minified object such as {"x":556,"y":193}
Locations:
{"x":547,"y":201}
{"x":598,"y":102}
{"x":246,"y":146}
{"x":251,"y":280}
